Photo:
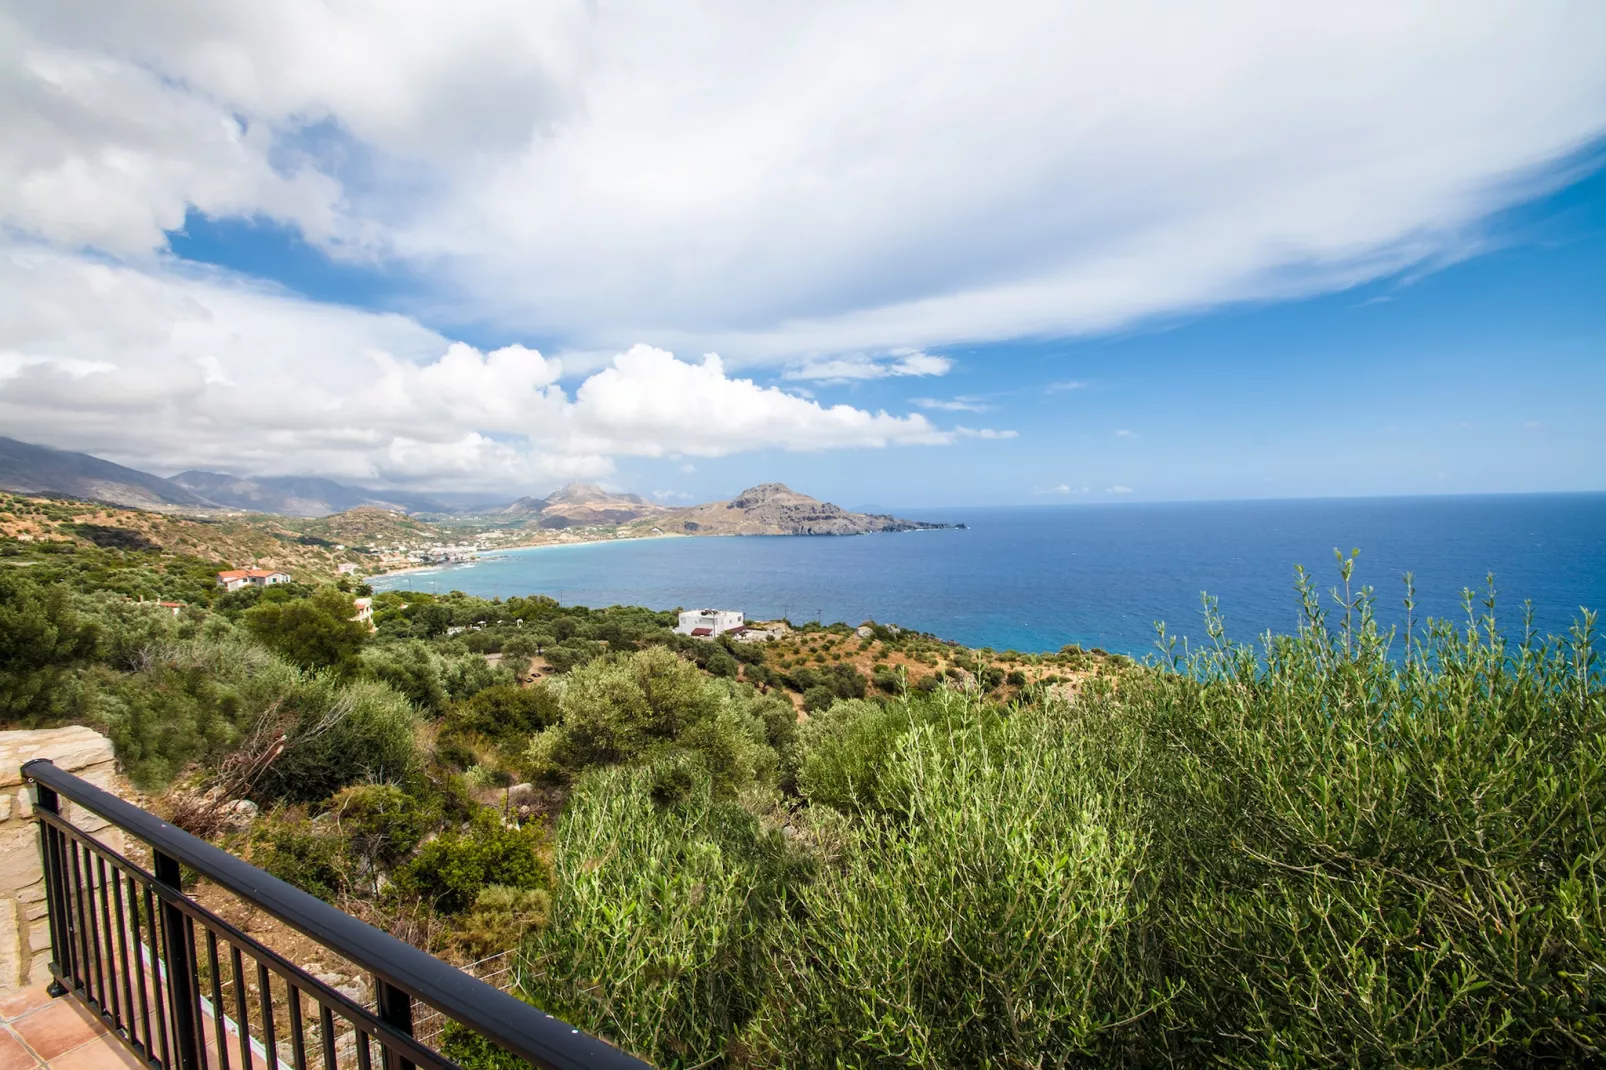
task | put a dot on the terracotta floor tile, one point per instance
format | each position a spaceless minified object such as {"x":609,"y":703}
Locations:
{"x":103,"y":1053}
{"x":20,"y":1003}
{"x":58,"y":1028}
{"x":13,"y":1056}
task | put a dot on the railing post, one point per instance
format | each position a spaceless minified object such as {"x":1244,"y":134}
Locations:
{"x":395,"y":1009}
{"x":46,"y":801}
{"x":181,"y":986}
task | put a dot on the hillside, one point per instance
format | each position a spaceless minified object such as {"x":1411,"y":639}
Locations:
{"x":776,"y":509}
{"x":307,"y":549}
{"x":40,"y":470}
{"x":582,"y":505}
{"x":305,"y":496}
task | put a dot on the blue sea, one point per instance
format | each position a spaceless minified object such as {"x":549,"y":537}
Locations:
{"x":1035,"y":579}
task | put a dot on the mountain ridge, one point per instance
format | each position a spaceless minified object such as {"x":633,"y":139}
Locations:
{"x":777,"y":509}
{"x":26,"y":468}
{"x":762,"y":509}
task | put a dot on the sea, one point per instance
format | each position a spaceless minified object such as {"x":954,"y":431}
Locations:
{"x":1039,"y":578}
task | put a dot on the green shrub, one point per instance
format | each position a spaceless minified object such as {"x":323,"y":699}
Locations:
{"x":451,"y":870}
{"x":504,"y":714}
{"x":500,"y":919}
{"x":298,"y":852}
{"x":660,"y":917}
{"x":987,"y":925}
{"x":890,"y":682}
{"x":338,"y":734}
{"x":818,"y":698}
{"x":42,"y":637}
{"x":570,"y":654}
{"x":471,"y":1051}
{"x":846,"y":750}
{"x":381,"y":822}
{"x":315,"y":632}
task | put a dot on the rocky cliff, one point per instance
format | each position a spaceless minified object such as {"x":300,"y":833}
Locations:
{"x":776,"y":509}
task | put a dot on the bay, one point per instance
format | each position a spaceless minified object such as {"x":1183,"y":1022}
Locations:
{"x":1038,"y":578}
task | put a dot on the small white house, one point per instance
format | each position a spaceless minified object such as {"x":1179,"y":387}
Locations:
{"x":707,"y":623}
{"x":234,"y":579}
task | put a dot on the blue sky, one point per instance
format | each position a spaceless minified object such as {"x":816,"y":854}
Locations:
{"x":1483,"y":375}
{"x":927,"y":255}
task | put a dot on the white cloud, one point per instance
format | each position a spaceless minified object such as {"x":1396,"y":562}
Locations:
{"x":1118,"y":489}
{"x":959,"y":404}
{"x":651,"y":404}
{"x":168,"y":371}
{"x":1124,"y":433}
{"x":605,"y":173}
{"x":850,"y":368}
{"x":1063,"y":488}
{"x":984,"y":432}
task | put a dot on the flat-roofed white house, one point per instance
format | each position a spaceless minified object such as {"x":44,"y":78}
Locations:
{"x":235,"y":578}
{"x":707,"y":623}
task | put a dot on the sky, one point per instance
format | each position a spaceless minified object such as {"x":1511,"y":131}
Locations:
{"x":893,"y":253}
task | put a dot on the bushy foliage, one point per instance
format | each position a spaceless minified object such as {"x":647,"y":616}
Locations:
{"x":500,"y":919}
{"x":381,"y":823}
{"x":42,"y":637}
{"x":314,"y":632}
{"x":818,"y":698}
{"x":299,"y":853}
{"x":846,"y":749}
{"x":661,"y":914}
{"x":503,"y":714}
{"x":625,"y":708}
{"x":430,"y":679}
{"x":983,"y":925}
{"x":336,"y":734}
{"x":450,"y":870}
{"x":1318,"y":852}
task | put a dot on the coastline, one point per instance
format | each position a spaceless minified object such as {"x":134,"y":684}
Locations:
{"x":501,"y":550}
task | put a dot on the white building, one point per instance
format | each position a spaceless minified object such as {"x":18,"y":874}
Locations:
{"x":443,"y":555}
{"x":234,"y":579}
{"x":707,"y":623}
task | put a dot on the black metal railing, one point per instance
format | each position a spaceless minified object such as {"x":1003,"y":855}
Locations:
{"x":186,"y":990}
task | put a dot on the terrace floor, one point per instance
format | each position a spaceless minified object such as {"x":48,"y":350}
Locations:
{"x":61,"y":1034}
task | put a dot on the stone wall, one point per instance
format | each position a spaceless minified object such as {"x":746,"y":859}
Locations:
{"x":24,"y":929}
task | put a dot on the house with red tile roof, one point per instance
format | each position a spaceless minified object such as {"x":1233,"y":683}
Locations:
{"x":234,"y":579}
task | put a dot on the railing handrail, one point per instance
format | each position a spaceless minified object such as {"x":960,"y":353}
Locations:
{"x":523,"y":1030}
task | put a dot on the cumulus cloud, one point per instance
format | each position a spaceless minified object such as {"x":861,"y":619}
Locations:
{"x":166,"y":370}
{"x":1118,"y":489}
{"x":651,"y":404}
{"x":607,"y":173}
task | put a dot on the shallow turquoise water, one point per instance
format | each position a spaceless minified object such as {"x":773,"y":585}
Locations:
{"x":1038,"y":578}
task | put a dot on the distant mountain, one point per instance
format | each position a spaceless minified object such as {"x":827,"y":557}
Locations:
{"x":767,"y":509}
{"x":776,"y":509}
{"x":585,"y":505}
{"x":309,"y":496}
{"x":29,"y":469}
